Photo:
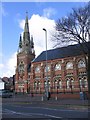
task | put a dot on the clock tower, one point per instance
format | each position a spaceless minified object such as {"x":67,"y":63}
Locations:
{"x":25,"y":55}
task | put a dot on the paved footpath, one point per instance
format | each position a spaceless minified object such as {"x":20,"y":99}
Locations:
{"x":66,"y":103}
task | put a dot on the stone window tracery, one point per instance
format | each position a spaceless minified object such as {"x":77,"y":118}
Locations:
{"x":21,"y":67}
{"x":60,"y":84}
{"x":70,"y":83}
{"x":35,"y":85}
{"x":37,"y":69}
{"x":57,"y":67}
{"x":69,"y":65}
{"x":83,"y":82}
{"x":47,"y":68}
{"x":81,"y":64}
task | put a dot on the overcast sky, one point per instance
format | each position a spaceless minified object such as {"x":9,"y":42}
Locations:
{"x":41,"y":15}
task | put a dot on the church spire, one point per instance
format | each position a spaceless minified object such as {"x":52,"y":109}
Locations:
{"x":26,"y":34}
{"x":20,"y":42}
{"x":20,"y":45}
{"x":26,"y":28}
{"x":26,"y":44}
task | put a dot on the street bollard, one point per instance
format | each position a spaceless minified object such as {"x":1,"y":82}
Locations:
{"x":42,"y":98}
{"x":55,"y":97}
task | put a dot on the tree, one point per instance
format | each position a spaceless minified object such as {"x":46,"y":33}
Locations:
{"x":75,"y":28}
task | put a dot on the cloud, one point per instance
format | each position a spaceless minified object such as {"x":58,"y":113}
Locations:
{"x":8,"y":67}
{"x":36,"y":25}
{"x":48,"y":12}
{"x":12,"y":62}
{"x":1,"y":66}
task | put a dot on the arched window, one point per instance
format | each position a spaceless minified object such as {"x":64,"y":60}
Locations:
{"x":49,"y":84}
{"x":57,"y":67}
{"x":72,"y":83}
{"x":60,"y":84}
{"x":38,"y":85}
{"x":81,"y":64}
{"x":85,"y":82}
{"x":37,"y":69}
{"x":69,"y":65}
{"x":21,"y":66}
{"x":80,"y":82}
{"x":56,"y":84}
{"x":35,"y":85}
{"x":68,"y":83}
{"x":47,"y":68}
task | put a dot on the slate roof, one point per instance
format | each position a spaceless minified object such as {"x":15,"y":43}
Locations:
{"x":29,"y":67}
{"x":71,"y":50}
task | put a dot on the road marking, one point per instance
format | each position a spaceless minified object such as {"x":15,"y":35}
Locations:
{"x":54,"y":109}
{"x":31,"y":114}
{"x":13,"y":112}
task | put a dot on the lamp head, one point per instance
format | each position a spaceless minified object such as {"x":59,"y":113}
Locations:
{"x":44,"y":29}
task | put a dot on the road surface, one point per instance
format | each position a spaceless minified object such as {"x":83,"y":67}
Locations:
{"x":39,"y":110}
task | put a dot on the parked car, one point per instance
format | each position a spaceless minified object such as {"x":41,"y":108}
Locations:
{"x":5,"y":93}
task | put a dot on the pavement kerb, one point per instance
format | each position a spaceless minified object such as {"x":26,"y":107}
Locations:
{"x":56,"y":103}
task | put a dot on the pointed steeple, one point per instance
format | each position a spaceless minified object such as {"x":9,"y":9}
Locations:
{"x":20,"y":42}
{"x":26,"y":28}
{"x":32,"y":43}
{"x":20,"y":45}
{"x":26,"y":45}
{"x":26,"y":34}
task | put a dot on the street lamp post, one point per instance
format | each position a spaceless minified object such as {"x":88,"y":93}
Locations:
{"x":47,"y":94}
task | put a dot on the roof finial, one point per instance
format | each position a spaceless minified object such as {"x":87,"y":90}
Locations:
{"x":26,"y":13}
{"x":26,"y":21}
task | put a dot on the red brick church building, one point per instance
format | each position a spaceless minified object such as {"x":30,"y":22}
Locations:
{"x":64,"y":76}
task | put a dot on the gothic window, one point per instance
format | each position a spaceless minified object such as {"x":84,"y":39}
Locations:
{"x":69,"y":65}
{"x":80,"y":83}
{"x":57,"y":67}
{"x":55,"y":84}
{"x":21,"y":67}
{"x":37,"y":69}
{"x":72,"y":83}
{"x":49,"y":84}
{"x":81,"y":64}
{"x":60,"y":84}
{"x":68,"y":83}
{"x":85,"y":82}
{"x":47,"y":68}
{"x":39,"y":84}
{"x":35,"y":85}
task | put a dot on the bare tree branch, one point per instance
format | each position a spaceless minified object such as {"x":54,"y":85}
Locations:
{"x":75,"y":28}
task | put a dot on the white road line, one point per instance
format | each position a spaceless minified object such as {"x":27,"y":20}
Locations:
{"x":31,"y":114}
{"x":54,"y":109}
{"x":13,"y":112}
